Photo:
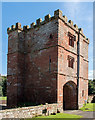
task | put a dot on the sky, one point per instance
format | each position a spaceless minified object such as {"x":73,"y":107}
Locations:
{"x":81,"y":13}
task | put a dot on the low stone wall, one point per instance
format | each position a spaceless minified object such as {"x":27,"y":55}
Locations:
{"x":29,"y":112}
{"x":3,"y":102}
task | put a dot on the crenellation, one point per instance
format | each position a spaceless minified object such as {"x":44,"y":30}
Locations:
{"x":8,"y":30}
{"x":32,"y":25}
{"x":58,"y":13}
{"x":65,"y":18}
{"x":13,"y":27}
{"x":47,"y":18}
{"x":43,"y":22}
{"x":18,"y":26}
{"x":76,"y":26}
{"x":38,"y":21}
{"x":26,"y":27}
{"x":71,"y":22}
{"x":81,"y":30}
{"x":52,"y":18}
{"x":84,"y":36}
{"x":87,"y":39}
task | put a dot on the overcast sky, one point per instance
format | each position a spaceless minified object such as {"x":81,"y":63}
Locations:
{"x":81,"y":13}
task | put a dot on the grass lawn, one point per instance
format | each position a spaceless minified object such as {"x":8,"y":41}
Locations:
{"x":58,"y":115}
{"x":88,"y":107}
{"x":3,"y":98}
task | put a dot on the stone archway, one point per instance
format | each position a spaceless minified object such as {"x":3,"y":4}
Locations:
{"x":70,"y":96}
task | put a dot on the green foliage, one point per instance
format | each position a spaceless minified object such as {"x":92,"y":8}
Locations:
{"x":88,"y":107}
{"x":0,"y":86}
{"x":61,"y":115}
{"x":1,"y":91}
{"x":64,"y":116}
{"x":3,"y":98}
{"x":91,"y":87}
{"x":3,"y":85}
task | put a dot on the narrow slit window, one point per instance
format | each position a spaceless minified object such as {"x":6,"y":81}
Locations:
{"x":82,"y":93}
{"x":51,"y":36}
{"x":49,"y":63}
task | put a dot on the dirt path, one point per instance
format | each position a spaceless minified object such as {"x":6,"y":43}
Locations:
{"x":85,"y":114}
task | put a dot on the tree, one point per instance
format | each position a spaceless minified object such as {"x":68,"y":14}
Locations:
{"x":4,"y":85}
{"x":91,"y":87}
{"x":0,"y":91}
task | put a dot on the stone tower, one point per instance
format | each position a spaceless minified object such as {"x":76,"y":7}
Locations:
{"x":48,"y":63}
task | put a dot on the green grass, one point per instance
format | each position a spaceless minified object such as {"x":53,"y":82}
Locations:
{"x":58,"y":115}
{"x":3,"y":98}
{"x":88,"y":107}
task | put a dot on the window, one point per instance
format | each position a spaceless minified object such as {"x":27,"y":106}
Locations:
{"x":51,"y":36}
{"x":82,"y":93}
{"x":70,"y":61}
{"x":49,"y":63}
{"x":72,"y":38}
{"x":71,"y":41}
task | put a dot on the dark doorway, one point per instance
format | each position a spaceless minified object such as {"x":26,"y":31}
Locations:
{"x":70,"y":96}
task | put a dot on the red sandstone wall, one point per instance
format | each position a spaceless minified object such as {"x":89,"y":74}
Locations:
{"x":66,"y":73}
{"x":83,"y":71}
{"x":40,"y":74}
{"x":15,"y":70}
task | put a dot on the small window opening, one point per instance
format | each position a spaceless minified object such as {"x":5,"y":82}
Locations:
{"x":72,"y":38}
{"x":82,"y":93}
{"x":49,"y":63}
{"x":51,"y":36}
{"x":70,"y":61}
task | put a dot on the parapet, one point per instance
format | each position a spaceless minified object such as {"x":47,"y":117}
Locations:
{"x":47,"y":18}
{"x":57,"y":15}
{"x":14,"y":27}
{"x":25,"y":27}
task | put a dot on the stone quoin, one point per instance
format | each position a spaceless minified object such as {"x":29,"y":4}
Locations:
{"x":47,"y":63}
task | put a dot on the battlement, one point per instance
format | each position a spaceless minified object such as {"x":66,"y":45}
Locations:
{"x":14,"y":27}
{"x":57,"y":14}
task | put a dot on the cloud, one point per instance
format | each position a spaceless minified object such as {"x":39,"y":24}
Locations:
{"x":79,"y":11}
{"x":90,"y":74}
{"x":72,"y":9}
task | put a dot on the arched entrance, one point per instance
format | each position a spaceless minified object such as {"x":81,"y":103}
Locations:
{"x":70,"y":96}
